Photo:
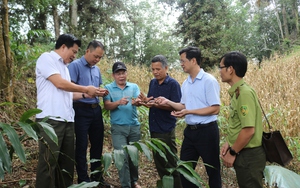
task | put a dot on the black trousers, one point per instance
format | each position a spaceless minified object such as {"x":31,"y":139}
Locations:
{"x":202,"y":142}
{"x":88,"y":127}
{"x":160,"y":163}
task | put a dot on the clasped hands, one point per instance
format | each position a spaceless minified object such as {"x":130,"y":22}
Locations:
{"x":159,"y":101}
{"x":96,"y":91}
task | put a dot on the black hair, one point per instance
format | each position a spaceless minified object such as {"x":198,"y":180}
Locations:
{"x":94,"y":44}
{"x":160,"y":58}
{"x":237,"y":60}
{"x":192,"y":52}
{"x":67,"y":39}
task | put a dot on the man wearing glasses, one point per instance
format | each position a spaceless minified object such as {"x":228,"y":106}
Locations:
{"x":200,"y":105}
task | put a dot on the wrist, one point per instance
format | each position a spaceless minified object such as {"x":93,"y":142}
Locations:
{"x":83,"y":96}
{"x":233,"y":152}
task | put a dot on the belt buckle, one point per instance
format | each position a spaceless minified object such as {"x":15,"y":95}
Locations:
{"x":94,"y":105}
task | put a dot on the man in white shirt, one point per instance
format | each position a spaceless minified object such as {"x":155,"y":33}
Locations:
{"x":55,"y":98}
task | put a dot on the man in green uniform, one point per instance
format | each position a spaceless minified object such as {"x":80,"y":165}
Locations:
{"x":243,"y":149}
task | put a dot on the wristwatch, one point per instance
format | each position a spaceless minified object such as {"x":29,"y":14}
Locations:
{"x":232,"y":152}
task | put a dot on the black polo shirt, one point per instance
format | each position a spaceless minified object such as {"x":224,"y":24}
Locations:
{"x":161,"y":121}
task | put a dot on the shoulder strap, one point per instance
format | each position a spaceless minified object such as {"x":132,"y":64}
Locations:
{"x":265,"y":116}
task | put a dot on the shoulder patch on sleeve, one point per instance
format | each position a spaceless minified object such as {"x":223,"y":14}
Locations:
{"x":244,"y":110}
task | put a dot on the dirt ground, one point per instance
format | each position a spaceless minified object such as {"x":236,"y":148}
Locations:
{"x":23,"y":175}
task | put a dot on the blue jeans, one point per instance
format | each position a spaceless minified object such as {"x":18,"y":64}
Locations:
{"x":121,"y":136}
{"x":88,"y":127}
{"x":205,"y":143}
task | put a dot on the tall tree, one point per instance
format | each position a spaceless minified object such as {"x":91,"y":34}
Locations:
{"x":285,"y":21}
{"x":201,"y":24}
{"x":56,"y":20}
{"x":73,"y":15}
{"x":295,"y":13}
{"x":6,"y":61}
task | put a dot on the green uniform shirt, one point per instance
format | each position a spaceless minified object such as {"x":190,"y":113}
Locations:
{"x":245,"y":111}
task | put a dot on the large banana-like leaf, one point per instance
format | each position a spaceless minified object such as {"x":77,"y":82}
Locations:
{"x":29,"y":113}
{"x":168,"y":181}
{"x":5,"y":162}
{"x":2,"y":171}
{"x":107,"y":159}
{"x":158,"y":144}
{"x":281,"y":177}
{"x":161,"y":143}
{"x":14,"y":139}
{"x":119,"y":157}
{"x":186,"y":168}
{"x":29,"y":130}
{"x":85,"y":185}
{"x":156,"y":149}
{"x":143,"y":148}
{"x":133,"y":153}
{"x":187,"y":174}
{"x":49,"y":131}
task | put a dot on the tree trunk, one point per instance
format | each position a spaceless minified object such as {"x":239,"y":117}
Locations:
{"x":285,"y":22}
{"x":56,"y":21}
{"x":73,"y":16}
{"x":296,"y":17}
{"x":278,"y":20}
{"x":6,"y":62}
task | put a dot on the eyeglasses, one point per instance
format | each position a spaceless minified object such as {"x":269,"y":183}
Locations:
{"x":221,"y":67}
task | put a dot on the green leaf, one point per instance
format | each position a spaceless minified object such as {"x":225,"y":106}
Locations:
{"x":143,"y":148}
{"x":85,"y":185}
{"x":158,"y":143}
{"x":1,"y":170}
{"x":119,"y":158}
{"x":159,"y":184}
{"x":49,"y":131}
{"x":168,"y":181}
{"x":29,"y":130}
{"x":22,"y":183}
{"x":188,"y":166}
{"x":14,"y":139}
{"x":133,"y":153}
{"x":156,"y":149}
{"x":5,"y":162}
{"x":107,"y":159}
{"x":29,"y":113}
{"x":161,"y":143}
{"x":281,"y":177}
{"x":186,"y":173}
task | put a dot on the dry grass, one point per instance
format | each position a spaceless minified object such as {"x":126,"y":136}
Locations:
{"x":276,"y":84}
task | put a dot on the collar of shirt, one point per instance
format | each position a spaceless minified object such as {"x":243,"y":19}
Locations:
{"x":56,"y":56}
{"x":199,"y":76}
{"x":166,"y":80}
{"x":85,"y":63}
{"x":235,"y":86}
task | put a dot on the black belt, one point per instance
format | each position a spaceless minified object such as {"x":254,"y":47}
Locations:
{"x":200,"y":125}
{"x":86,"y":105}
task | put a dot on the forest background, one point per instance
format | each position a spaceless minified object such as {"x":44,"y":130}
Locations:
{"x":267,"y":32}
